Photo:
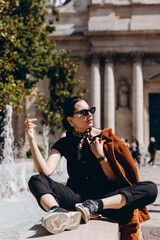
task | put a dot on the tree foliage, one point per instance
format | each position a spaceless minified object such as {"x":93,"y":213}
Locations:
{"x":62,"y":86}
{"x":24,"y":49}
{"x":27,"y":56}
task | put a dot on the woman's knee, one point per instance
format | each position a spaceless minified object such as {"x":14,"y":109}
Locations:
{"x":35,"y":180}
{"x":152,"y":191}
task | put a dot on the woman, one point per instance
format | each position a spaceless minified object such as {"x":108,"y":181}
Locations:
{"x":102,"y":176}
{"x":135,"y":150}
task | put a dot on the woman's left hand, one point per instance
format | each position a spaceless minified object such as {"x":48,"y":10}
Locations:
{"x":97,"y":147}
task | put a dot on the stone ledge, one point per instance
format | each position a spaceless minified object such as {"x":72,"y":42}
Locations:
{"x":102,"y":229}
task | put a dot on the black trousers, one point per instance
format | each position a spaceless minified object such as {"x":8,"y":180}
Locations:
{"x":135,"y":156}
{"x":138,"y":195}
{"x":152,"y":159}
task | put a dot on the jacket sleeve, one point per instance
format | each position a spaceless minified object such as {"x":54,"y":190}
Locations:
{"x":126,"y":161}
{"x":120,"y":159}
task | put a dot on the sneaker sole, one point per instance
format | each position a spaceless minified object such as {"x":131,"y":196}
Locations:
{"x":84,"y":211}
{"x":74,"y":220}
{"x":58,"y":222}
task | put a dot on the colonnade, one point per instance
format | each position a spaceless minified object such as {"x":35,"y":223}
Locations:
{"x":109,"y":94}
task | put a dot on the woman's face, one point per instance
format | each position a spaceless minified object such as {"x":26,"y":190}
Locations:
{"x":81,"y":122}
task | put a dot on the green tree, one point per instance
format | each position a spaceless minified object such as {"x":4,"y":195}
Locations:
{"x":27,"y":56}
{"x":25,"y":50}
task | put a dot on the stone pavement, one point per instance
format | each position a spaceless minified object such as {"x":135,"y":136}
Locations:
{"x":94,"y":229}
{"x":150,"y":230}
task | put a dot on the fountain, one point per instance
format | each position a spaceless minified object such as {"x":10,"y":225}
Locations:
{"x":1,"y":137}
{"x":11,"y":183}
{"x":15,"y":201}
{"x":46,"y":140}
{"x":60,"y":174}
{"x":62,"y":167}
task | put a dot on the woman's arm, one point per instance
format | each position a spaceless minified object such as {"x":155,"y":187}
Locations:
{"x":47,"y":167}
{"x":97,"y":149}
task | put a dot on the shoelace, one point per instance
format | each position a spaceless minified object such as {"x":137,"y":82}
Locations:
{"x":93,"y":206}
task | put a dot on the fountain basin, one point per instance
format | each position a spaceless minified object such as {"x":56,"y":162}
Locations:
{"x":20,"y":213}
{"x":17,"y":215}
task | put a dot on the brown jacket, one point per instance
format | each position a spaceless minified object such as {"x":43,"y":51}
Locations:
{"x":124,"y":167}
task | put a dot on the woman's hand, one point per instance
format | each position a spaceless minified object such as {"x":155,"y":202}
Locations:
{"x":29,"y":126}
{"x":97,"y":147}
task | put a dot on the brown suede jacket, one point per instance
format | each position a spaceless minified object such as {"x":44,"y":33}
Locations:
{"x":125,"y":169}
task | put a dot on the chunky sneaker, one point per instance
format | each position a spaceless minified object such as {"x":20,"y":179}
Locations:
{"x":59,"y":219}
{"x":87,"y":208}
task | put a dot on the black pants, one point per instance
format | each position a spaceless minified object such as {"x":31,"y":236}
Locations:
{"x":135,"y":155}
{"x":138,"y":195}
{"x":152,"y":159}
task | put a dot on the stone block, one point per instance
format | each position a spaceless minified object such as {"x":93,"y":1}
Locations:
{"x":94,"y":229}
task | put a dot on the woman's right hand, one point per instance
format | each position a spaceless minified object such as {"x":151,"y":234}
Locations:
{"x":29,"y":126}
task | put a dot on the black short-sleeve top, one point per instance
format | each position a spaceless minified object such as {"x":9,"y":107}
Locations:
{"x":83,"y":168}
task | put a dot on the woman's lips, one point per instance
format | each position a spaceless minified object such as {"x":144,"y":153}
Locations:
{"x":90,"y":120}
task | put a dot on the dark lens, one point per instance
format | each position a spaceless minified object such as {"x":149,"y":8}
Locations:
{"x":92,"y":110}
{"x":84,"y":112}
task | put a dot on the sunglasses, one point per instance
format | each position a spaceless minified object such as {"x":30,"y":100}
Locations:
{"x":85,"y":112}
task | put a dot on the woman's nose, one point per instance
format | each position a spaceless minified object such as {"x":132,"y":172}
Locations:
{"x":89,"y":114}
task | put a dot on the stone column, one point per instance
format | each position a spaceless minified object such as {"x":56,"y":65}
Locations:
{"x":138,"y":107}
{"x":96,"y":90}
{"x":109,"y":94}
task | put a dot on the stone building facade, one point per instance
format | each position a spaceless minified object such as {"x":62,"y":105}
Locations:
{"x":118,"y":44}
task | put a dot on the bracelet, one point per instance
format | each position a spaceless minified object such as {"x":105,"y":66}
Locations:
{"x":101,"y":158}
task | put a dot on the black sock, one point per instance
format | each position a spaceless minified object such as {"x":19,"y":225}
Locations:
{"x":100,"y":204}
{"x":53,"y":207}
{"x":58,"y":209}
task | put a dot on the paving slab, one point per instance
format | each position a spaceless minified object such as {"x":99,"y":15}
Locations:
{"x":103,"y":229}
{"x":151,"y":233}
{"x":150,"y":173}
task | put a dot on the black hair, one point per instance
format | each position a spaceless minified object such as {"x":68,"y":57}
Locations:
{"x":68,"y":110}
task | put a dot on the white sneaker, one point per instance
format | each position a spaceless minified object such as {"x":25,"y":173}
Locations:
{"x":59,"y":219}
{"x":154,"y":166}
{"x":87,"y":208}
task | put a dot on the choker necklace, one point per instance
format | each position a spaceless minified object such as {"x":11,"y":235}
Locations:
{"x":83,"y":136}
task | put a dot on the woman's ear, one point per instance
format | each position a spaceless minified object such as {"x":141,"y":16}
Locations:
{"x":69,"y":119}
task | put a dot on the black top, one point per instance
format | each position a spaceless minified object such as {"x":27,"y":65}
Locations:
{"x":152,"y":147}
{"x":84,"y":170}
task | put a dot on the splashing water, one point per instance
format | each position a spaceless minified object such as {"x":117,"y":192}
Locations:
{"x":12,"y":183}
{"x":46,"y":140}
{"x":62,"y":167}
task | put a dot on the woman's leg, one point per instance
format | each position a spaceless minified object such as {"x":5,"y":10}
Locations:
{"x":57,"y":198}
{"x":114,"y":202}
{"x":50,"y":193}
{"x":137,"y":158}
{"x":121,"y":201}
{"x":153,"y":159}
{"x":136,"y":196}
{"x":48,"y":201}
